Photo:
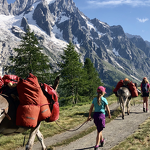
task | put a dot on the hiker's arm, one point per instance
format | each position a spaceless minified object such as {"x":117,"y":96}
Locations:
{"x":148,"y":88}
{"x":108,"y":111}
{"x":90,"y":112}
{"x":141,"y":89}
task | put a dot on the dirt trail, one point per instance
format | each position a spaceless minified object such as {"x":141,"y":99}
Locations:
{"x":115,"y":132}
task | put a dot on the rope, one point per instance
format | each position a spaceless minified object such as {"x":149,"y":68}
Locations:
{"x":24,"y":140}
{"x":73,"y":129}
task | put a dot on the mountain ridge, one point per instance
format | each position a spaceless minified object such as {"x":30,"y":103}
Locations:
{"x":114,"y":53}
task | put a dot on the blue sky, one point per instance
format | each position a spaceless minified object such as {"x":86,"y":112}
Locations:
{"x":132,"y":15}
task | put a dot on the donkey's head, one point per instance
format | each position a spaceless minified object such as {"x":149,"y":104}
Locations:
{"x":56,"y":83}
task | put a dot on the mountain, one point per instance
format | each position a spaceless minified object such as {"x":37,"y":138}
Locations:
{"x":115,"y":54}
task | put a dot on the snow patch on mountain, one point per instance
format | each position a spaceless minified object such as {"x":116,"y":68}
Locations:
{"x":29,"y":15}
{"x":135,"y":78}
{"x":50,"y":1}
{"x":83,"y":17}
{"x":116,"y":63}
{"x":6,"y":21}
{"x":119,"y":65}
{"x":75,"y":41}
{"x":57,"y":33}
{"x":104,"y":24}
{"x":115,"y":52}
{"x":91,"y":26}
{"x":63,"y":19}
{"x":96,"y":45}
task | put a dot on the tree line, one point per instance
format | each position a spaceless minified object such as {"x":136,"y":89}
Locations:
{"x":78,"y":82}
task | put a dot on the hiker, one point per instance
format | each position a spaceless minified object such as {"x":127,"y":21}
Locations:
{"x":99,"y":103}
{"x":121,"y":83}
{"x":128,"y":84}
{"x":126,"y":81}
{"x":145,"y":87}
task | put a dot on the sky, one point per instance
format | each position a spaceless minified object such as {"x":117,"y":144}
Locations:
{"x":132,"y":15}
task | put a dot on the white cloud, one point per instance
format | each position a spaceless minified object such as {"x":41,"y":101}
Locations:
{"x":134,"y":3}
{"x":142,"y":20}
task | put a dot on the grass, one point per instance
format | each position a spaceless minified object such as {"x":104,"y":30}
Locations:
{"x":140,"y":140}
{"x":70,"y":116}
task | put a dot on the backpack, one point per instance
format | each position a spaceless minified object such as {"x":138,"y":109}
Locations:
{"x":144,"y":88}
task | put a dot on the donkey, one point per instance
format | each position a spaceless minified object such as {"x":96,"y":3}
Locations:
{"x":7,"y":120}
{"x":124,"y":99}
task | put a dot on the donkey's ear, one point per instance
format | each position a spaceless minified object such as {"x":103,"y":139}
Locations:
{"x":56,"y":83}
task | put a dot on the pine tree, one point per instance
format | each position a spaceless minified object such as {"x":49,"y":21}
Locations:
{"x":71,"y":72}
{"x":30,"y":59}
{"x":93,"y":80}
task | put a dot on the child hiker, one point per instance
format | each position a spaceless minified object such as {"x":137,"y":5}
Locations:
{"x":145,"y":87}
{"x":99,"y":103}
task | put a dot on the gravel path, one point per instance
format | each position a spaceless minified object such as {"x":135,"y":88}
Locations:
{"x":115,"y":132}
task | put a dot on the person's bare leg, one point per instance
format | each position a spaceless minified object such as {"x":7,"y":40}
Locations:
{"x":146,"y":100}
{"x":144,"y":104}
{"x":98,"y":138}
{"x":101,"y":136}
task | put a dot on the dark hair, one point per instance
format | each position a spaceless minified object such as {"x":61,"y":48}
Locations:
{"x":145,"y":81}
{"x":135,"y":84}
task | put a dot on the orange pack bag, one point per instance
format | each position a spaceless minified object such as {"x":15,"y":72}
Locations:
{"x":119,"y":84}
{"x":51,"y":91}
{"x":27,"y":115}
{"x":53,"y":99}
{"x":44,"y":112}
{"x":133,"y":89}
{"x":44,"y":107}
{"x":29,"y":90}
{"x":31,"y":96}
{"x":55,"y":113}
{"x":10,"y":78}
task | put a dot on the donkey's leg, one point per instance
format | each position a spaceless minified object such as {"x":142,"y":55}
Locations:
{"x":33,"y":133}
{"x":124,"y":100}
{"x":124,"y":106}
{"x":121,"y":106}
{"x":128,"y":106}
{"x":41,"y":139}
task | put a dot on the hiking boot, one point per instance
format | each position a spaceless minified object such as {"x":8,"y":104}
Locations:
{"x":102,"y":143}
{"x":143,"y":109}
